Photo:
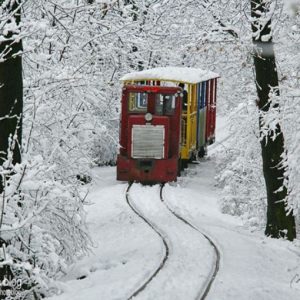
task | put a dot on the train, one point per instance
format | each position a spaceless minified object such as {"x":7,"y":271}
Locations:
{"x":168,"y":118}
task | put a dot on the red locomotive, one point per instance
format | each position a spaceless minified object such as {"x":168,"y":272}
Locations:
{"x":168,"y":118}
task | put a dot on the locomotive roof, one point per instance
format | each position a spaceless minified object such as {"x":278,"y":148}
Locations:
{"x":175,"y":74}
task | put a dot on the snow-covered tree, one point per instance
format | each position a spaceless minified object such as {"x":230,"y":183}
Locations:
{"x":74,"y":53}
{"x":11,"y":105}
{"x":280,"y":219}
{"x":250,"y":201}
{"x":11,"y":83}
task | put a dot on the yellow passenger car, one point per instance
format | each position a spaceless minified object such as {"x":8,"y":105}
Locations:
{"x":199,"y":103}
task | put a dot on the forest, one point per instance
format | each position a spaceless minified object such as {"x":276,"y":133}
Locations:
{"x":60,"y":67}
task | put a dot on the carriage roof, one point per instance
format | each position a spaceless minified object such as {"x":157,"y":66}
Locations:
{"x":174,"y":74}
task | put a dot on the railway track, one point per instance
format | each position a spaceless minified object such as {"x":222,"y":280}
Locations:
{"x":164,"y":241}
{"x":204,"y":291}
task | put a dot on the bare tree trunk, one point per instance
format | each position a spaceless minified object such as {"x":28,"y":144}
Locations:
{"x":279,"y":223}
{"x":11,"y":104}
{"x":11,"y":90}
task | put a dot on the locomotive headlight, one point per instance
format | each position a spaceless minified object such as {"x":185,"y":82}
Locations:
{"x":148,"y":117}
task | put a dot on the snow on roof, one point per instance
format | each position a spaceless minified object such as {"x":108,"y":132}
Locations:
{"x":178,"y":74}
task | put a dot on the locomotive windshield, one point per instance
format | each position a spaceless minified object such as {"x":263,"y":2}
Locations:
{"x":164,"y":103}
{"x":137,"y":102}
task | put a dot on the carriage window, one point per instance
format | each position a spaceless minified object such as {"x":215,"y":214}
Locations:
{"x":164,"y":104}
{"x":137,"y":102}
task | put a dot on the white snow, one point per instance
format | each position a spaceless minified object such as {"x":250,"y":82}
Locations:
{"x":177,"y":74}
{"x":127,"y":251}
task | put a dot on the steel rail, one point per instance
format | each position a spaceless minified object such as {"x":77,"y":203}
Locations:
{"x":204,"y":292}
{"x":164,"y":241}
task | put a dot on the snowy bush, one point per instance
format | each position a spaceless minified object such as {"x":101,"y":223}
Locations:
{"x":240,"y":168}
{"x":43,"y":221}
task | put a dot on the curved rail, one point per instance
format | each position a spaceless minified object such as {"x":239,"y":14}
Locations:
{"x":166,"y":246}
{"x":204,"y":292}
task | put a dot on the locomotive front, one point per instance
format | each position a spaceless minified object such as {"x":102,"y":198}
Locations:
{"x":149,"y":134}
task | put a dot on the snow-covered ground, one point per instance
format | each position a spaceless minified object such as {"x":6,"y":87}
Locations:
{"x":126,"y":250}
